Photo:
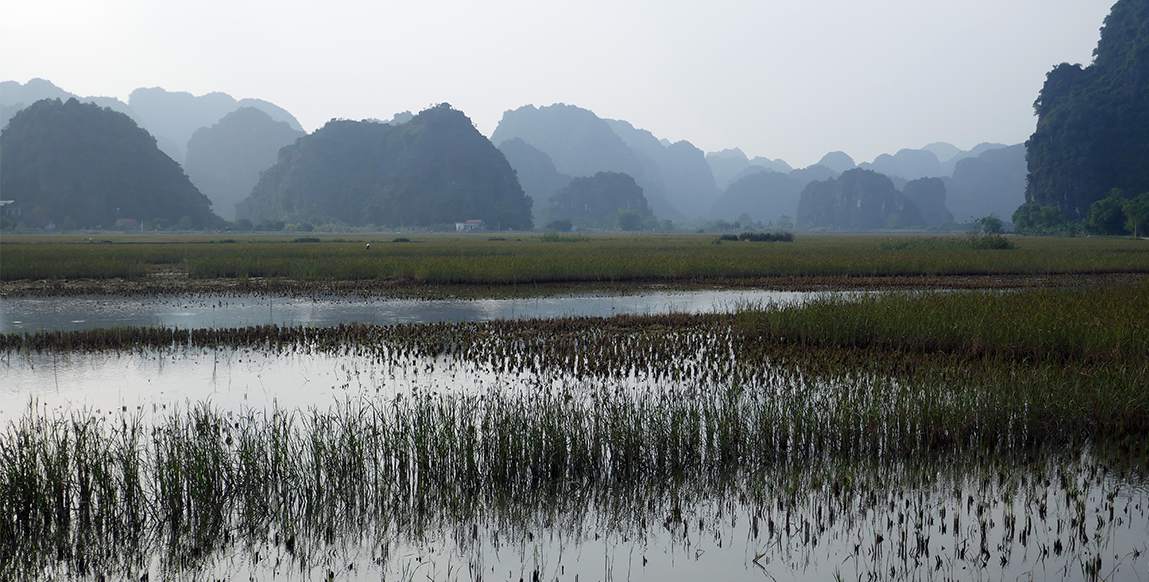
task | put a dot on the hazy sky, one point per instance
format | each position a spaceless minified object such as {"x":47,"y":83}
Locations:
{"x":780,"y":78}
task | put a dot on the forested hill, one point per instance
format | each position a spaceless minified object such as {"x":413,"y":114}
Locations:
{"x":434,"y":170}
{"x":1093,"y":122}
{"x":79,"y":165}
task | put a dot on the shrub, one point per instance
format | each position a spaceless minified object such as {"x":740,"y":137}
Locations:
{"x":767,"y":236}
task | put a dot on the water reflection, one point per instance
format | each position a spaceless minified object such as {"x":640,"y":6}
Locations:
{"x":205,"y":311}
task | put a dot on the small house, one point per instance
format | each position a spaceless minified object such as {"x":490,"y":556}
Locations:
{"x":473,"y":225}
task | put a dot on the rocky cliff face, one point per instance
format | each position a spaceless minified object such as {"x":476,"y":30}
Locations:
{"x":1093,"y":122}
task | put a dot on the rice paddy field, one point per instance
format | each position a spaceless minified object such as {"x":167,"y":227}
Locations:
{"x":154,"y":263}
{"x":923,"y":435}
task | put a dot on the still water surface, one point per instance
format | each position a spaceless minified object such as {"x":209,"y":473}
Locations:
{"x":203,"y":311}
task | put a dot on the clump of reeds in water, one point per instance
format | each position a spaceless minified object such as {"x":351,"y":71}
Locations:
{"x":93,"y":495}
{"x":636,"y":419}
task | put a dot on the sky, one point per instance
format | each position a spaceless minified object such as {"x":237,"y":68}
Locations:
{"x":777,"y":78}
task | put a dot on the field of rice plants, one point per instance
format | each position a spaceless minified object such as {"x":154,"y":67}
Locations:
{"x":956,"y":435}
{"x":533,"y":259}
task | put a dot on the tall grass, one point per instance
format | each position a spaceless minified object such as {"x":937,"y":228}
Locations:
{"x":531,"y":259}
{"x":84,"y":491}
{"x":1096,"y":323}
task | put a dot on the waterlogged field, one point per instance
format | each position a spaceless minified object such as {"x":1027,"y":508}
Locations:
{"x":524,"y":258}
{"x":831,"y":440}
{"x":211,"y":310}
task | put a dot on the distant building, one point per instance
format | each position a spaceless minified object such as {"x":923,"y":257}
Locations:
{"x":8,"y":209}
{"x":473,"y":225}
{"x":127,"y":224}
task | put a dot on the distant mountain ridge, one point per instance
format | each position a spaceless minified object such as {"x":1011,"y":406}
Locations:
{"x":173,"y":116}
{"x":16,"y":96}
{"x":170,"y":116}
{"x":675,"y":177}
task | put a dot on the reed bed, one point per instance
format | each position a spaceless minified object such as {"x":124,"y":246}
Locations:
{"x":93,"y":494}
{"x":1097,"y":323}
{"x":903,"y":418}
{"x":530,"y":259}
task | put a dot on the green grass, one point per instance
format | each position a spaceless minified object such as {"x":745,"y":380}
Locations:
{"x":1096,"y":323}
{"x":530,"y":258}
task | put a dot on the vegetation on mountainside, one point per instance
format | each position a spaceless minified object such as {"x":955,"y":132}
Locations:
{"x":434,"y":170}
{"x":1093,"y":122}
{"x":78,"y":165}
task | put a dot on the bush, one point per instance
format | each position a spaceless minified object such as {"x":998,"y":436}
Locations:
{"x":559,"y":226}
{"x":991,"y":242}
{"x":767,"y":236}
{"x":1034,"y":218}
{"x":990,"y":225}
{"x":558,"y":238}
{"x":305,"y":239}
{"x":1107,"y":215}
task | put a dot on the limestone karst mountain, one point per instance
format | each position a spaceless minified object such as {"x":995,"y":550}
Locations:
{"x":1093,"y":122}
{"x":837,"y":161}
{"x":675,"y":177}
{"x":15,"y":96}
{"x":225,"y":160}
{"x":69,"y":165}
{"x":908,"y":164}
{"x":992,"y":183}
{"x":432,"y":171}
{"x":606,"y":200}
{"x":173,"y":116}
{"x":858,"y":200}
{"x":537,"y":175}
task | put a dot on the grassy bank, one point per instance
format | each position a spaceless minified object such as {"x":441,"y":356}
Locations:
{"x":530,"y":258}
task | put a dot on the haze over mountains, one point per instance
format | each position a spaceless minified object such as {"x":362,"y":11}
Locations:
{"x":170,"y":116}
{"x":231,"y":143}
{"x":433,"y":170}
{"x":226,"y":145}
{"x":226,"y":159}
{"x":254,"y":153}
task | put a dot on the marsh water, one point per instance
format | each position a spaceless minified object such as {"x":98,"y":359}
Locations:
{"x":22,"y":314}
{"x":819,"y":498}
